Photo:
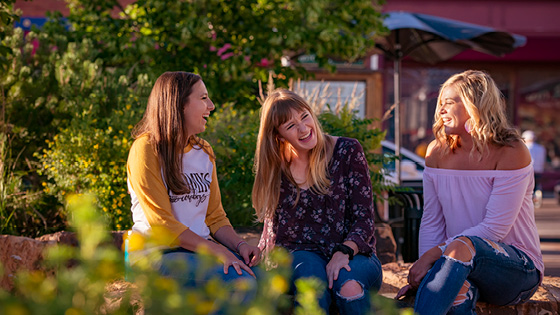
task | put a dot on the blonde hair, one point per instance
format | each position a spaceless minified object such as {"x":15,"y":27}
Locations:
{"x":272,"y":155}
{"x":486,"y":107}
{"x":164,"y":123}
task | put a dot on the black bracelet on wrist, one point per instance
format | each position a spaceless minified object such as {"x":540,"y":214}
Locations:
{"x":345,"y":249}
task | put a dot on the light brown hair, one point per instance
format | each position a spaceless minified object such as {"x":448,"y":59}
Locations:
{"x":165,"y":125}
{"x":272,"y":157}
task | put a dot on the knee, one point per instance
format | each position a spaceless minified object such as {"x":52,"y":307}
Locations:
{"x":461,"y":249}
{"x":351,"y":290}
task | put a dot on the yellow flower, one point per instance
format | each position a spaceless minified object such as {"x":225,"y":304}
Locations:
{"x":136,"y":241}
{"x":278,"y":284}
{"x":204,"y":307}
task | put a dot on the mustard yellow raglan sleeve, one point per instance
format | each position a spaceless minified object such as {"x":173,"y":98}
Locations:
{"x":145,"y":178}
{"x":216,"y":216}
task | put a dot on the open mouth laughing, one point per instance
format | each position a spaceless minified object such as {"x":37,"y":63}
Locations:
{"x":307,"y":136}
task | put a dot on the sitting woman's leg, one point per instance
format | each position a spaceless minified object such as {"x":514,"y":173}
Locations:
{"x":472,"y":267}
{"x":503,"y":274}
{"x":352,"y":288}
{"x":445,"y":286}
{"x":306,"y":264}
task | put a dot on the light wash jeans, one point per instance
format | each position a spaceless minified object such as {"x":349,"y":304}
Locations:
{"x":190,"y":271}
{"x":365,"y":270}
{"x":498,"y":274}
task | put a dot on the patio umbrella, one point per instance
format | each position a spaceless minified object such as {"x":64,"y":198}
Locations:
{"x":432,"y":39}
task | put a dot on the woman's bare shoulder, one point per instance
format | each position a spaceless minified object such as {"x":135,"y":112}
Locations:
{"x":514,"y":157}
{"x":433,"y":154}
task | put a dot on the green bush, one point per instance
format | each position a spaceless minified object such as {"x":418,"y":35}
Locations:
{"x":346,"y":123}
{"x":90,"y":154}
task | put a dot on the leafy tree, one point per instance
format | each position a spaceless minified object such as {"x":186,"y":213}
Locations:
{"x":232,"y":44}
{"x":74,"y":88}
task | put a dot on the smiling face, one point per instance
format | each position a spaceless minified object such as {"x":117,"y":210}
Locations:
{"x":453,"y":113}
{"x":299,"y":131}
{"x":198,"y":108}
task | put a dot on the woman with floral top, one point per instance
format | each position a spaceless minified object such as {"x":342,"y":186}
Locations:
{"x":313,"y":193}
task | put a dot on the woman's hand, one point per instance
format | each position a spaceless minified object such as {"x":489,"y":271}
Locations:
{"x":417,"y":272}
{"x":421,"y":267}
{"x":229,"y":259}
{"x":251,"y":254}
{"x":338,"y":261}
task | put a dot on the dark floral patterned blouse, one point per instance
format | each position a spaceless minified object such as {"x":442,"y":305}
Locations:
{"x":319,"y":222}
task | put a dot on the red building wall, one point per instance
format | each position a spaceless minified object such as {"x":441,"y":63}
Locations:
{"x":38,"y":8}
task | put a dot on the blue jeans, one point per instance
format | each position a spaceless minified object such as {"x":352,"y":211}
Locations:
{"x":192,"y":270}
{"x":499,"y":274}
{"x":365,"y":270}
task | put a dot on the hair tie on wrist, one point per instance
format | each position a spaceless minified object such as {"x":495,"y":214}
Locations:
{"x":239,"y":244}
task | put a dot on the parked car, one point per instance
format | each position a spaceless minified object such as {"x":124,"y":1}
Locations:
{"x":412,"y":165}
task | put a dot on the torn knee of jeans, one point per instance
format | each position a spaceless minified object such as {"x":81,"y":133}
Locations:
{"x":353,"y":297}
{"x":467,"y":242}
{"x":462,"y":296}
{"x":464,"y":263}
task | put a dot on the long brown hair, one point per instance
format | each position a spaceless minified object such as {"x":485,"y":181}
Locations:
{"x":270,"y":156}
{"x":164,"y":123}
{"x":485,"y":105}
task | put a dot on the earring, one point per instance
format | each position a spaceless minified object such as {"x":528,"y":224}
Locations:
{"x":468,"y":125}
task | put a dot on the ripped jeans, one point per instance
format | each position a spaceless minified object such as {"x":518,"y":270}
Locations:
{"x":365,"y":270}
{"x":499,"y":274}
